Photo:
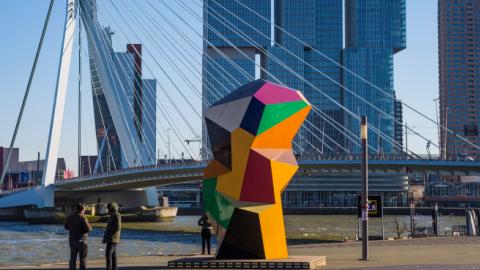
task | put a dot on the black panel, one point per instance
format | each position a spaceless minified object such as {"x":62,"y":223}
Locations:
{"x":243,"y":239}
{"x":220,"y":143}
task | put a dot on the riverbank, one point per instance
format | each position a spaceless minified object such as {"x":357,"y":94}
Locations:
{"x":428,"y":253}
{"x":321,"y":228}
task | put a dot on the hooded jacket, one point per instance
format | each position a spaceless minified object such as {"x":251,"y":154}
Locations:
{"x":114,"y":225}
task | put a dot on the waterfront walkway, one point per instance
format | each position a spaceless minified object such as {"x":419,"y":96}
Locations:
{"x":429,"y":253}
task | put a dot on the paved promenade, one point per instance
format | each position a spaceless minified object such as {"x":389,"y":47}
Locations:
{"x":460,"y":253}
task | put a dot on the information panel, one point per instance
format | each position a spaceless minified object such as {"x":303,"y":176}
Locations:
{"x":375,"y":207}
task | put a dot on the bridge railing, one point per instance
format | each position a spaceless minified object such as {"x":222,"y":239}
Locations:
{"x":166,"y":165}
{"x":13,"y":190}
{"x":383,"y":156}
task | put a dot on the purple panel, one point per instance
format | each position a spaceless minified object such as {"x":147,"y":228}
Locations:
{"x":272,"y":94}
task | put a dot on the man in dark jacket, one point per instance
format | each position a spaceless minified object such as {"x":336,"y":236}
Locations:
{"x":112,"y":235}
{"x":78,"y":228}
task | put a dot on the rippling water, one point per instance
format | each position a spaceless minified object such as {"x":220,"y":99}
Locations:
{"x":22,"y":244}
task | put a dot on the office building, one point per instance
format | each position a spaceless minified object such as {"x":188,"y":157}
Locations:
{"x":375,"y":31}
{"x":23,"y":173}
{"x":459,"y":60}
{"x":361,"y":35}
{"x":137,"y":98}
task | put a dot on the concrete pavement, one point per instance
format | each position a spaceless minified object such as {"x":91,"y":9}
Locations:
{"x":430,"y":253}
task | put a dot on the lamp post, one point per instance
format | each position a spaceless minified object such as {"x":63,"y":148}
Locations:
{"x":364,"y":206}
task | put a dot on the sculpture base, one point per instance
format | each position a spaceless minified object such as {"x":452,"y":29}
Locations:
{"x":209,"y":262}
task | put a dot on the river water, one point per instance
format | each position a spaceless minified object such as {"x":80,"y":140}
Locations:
{"x":22,"y":244}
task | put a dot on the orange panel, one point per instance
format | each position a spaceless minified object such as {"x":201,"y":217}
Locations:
{"x":282,"y":173}
{"x":282,"y":134}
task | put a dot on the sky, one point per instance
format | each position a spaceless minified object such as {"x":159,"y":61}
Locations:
{"x":415,"y":70}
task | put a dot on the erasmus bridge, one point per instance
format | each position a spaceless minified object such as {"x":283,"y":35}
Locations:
{"x":126,"y":104}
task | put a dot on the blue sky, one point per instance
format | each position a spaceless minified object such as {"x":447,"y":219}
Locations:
{"x":416,"y":73}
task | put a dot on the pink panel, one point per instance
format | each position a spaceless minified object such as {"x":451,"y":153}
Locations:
{"x":271,"y":94}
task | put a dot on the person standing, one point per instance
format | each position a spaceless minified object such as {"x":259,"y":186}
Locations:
{"x":78,"y":229}
{"x":112,"y":235}
{"x":206,"y":232}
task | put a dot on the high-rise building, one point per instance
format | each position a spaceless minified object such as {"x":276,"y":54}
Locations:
{"x":398,"y":108}
{"x":137,"y":102}
{"x":362,"y":35}
{"x":459,"y":60}
{"x":373,"y":33}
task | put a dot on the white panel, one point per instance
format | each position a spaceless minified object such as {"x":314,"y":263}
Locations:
{"x":60,"y":94}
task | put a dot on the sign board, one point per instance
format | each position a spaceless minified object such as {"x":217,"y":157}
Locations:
{"x":375,"y":206}
{"x":24,"y":177}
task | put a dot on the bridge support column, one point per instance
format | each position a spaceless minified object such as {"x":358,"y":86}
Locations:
{"x":151,"y":196}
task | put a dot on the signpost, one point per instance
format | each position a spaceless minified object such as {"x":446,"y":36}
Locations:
{"x":375,"y":209}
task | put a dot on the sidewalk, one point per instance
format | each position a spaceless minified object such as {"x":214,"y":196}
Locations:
{"x":429,"y":253}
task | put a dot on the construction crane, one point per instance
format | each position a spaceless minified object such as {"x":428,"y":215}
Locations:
{"x":197,"y":139}
{"x":188,"y":141}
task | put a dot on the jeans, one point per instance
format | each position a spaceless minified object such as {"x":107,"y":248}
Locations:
{"x":206,"y":235}
{"x":80,"y":248}
{"x":111,"y":256}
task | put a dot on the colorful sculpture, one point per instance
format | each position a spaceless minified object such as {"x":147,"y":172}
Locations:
{"x":251,"y":132}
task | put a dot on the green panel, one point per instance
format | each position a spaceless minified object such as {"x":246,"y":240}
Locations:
{"x":215,"y":204}
{"x":276,"y":113}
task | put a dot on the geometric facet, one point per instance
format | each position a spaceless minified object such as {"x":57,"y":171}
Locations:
{"x":243,"y":239}
{"x":253,"y":116}
{"x":258,"y":182}
{"x":220,"y":142}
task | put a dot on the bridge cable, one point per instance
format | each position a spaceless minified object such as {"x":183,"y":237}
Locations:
{"x":160,"y":107}
{"x":165,"y":115}
{"x":111,"y":63}
{"x":360,"y":77}
{"x":188,"y":41}
{"x":376,"y":130}
{"x":237,"y":49}
{"x":277,"y":60}
{"x":27,"y":91}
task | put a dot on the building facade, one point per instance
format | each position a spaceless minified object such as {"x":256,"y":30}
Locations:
{"x":459,"y":59}
{"x":310,"y":40}
{"x":374,"y":32}
{"x":25,"y":173}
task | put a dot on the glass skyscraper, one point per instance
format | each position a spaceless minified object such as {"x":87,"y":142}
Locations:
{"x":375,"y":31}
{"x":362,"y":35}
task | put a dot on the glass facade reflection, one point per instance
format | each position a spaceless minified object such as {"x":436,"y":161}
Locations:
{"x":362,"y":35}
{"x":375,"y":31}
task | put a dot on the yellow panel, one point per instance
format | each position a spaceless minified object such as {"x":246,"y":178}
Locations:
{"x":282,"y":134}
{"x":282,"y":173}
{"x":273,"y":231}
{"x":230,"y":183}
